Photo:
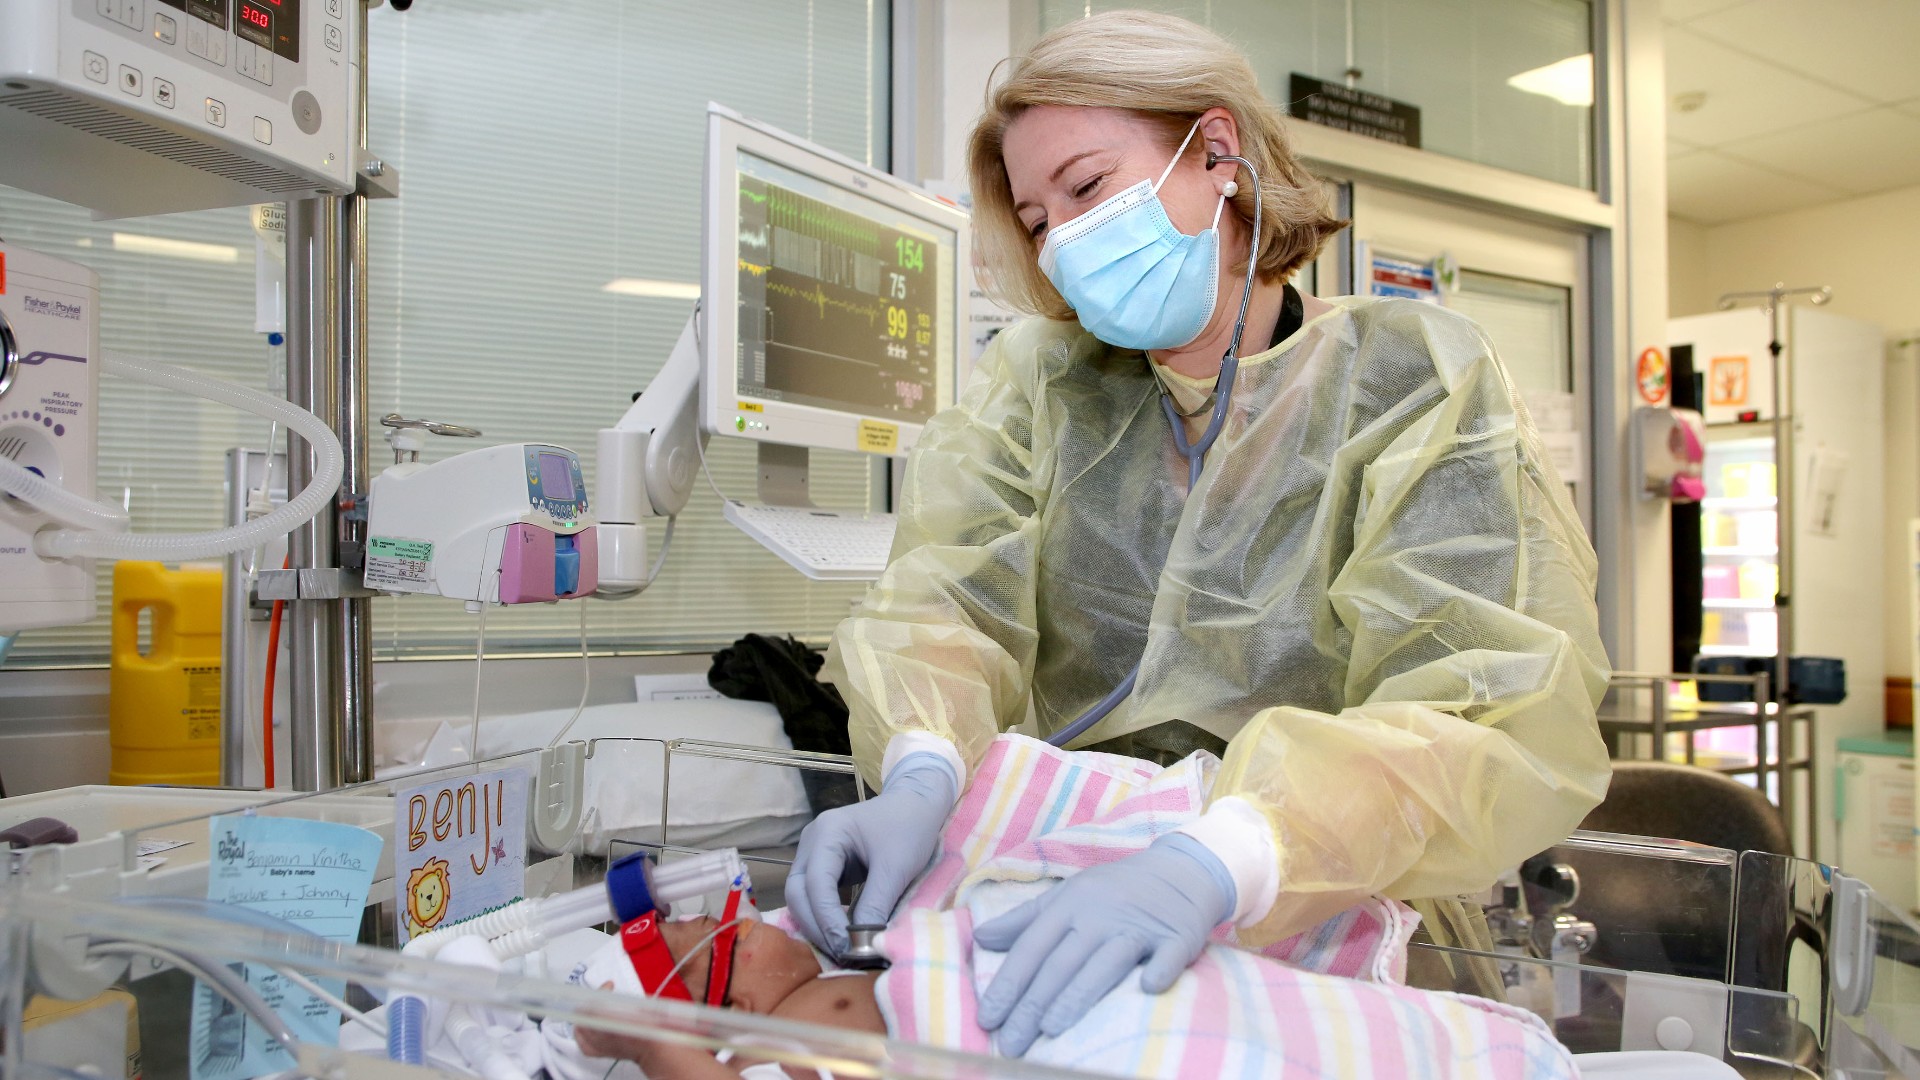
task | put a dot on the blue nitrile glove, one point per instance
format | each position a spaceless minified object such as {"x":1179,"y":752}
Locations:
{"x":1067,"y":949}
{"x":886,"y":840}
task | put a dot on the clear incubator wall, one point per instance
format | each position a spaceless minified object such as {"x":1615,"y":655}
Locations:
{"x":1777,"y":966}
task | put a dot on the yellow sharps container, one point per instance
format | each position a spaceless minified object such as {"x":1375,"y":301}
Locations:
{"x":163,"y":712}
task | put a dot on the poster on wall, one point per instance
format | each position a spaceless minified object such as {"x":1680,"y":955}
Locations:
{"x":1391,"y":275}
{"x":1727,"y":381}
{"x":460,"y":849}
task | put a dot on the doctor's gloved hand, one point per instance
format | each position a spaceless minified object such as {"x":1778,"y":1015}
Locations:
{"x":885,"y":841}
{"x":1068,"y":948}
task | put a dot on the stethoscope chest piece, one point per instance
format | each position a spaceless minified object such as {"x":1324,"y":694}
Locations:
{"x":863,"y":951}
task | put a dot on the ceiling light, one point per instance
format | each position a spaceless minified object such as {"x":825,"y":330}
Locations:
{"x":140,"y":244}
{"x":1687,"y":101}
{"x":665,"y":290}
{"x":1569,"y":81}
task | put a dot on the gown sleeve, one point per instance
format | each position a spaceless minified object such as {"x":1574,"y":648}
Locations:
{"x":945,"y":641}
{"x":1475,"y":667}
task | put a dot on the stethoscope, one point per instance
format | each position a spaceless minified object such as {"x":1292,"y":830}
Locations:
{"x":1195,"y":450}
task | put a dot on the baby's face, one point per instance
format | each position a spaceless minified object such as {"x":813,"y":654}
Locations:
{"x":768,"y":964}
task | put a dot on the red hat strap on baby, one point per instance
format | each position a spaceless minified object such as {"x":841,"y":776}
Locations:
{"x":652,"y":961}
{"x":722,"y":968}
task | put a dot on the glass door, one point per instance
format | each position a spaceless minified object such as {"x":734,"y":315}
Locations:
{"x":1738,"y":546}
{"x":1525,"y":284}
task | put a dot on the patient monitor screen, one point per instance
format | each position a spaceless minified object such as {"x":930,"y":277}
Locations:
{"x":843,"y":300}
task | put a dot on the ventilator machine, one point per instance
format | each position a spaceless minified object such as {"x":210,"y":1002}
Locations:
{"x":49,"y":390}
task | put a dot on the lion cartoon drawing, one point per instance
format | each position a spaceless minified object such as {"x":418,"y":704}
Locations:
{"x":428,"y":889}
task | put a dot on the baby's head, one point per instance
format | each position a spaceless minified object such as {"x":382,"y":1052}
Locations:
{"x":768,"y":964}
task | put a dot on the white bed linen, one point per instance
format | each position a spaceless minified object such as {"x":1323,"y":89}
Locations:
{"x":715,"y":803}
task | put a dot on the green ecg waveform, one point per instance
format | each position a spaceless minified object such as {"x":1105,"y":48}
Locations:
{"x":797,"y":213}
{"x":819,"y":297}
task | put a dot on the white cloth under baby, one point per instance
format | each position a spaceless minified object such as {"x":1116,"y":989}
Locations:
{"x":607,"y":964}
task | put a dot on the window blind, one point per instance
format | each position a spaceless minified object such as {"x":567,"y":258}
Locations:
{"x":544,"y":150}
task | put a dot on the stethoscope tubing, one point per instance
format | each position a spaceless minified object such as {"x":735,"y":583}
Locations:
{"x":1195,"y":452}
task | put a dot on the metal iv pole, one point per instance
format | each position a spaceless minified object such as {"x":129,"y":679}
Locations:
{"x":1770,"y":300}
{"x":329,"y":611}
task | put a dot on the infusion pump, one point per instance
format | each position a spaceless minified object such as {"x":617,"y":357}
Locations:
{"x":132,"y":107}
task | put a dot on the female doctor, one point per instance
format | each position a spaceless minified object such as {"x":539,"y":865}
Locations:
{"x":1188,"y":507}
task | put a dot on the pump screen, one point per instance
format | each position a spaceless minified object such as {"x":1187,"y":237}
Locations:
{"x":556,"y":478}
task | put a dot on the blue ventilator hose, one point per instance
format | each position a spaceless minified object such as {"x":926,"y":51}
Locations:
{"x":407,"y":1030}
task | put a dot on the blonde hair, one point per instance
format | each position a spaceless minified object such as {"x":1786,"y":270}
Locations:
{"x":1168,"y":71}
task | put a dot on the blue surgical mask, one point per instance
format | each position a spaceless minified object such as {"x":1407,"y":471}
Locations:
{"x":1133,"y":279}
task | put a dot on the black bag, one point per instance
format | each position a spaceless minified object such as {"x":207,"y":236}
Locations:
{"x":783,"y":671}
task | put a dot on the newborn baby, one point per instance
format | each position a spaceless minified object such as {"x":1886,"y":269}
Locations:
{"x":1232,"y":1013}
{"x":773,"y":974}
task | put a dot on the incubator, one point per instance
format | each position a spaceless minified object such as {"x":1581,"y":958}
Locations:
{"x":1776,"y":966}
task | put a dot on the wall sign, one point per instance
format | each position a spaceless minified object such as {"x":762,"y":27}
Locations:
{"x":1346,"y":109}
{"x":1654,"y":377}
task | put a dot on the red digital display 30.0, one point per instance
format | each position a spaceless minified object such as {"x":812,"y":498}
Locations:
{"x":255,"y":23}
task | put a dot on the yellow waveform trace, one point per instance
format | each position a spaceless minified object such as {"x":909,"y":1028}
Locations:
{"x":820,"y":298}
{"x":753,"y":268}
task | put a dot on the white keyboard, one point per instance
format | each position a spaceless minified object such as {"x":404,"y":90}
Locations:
{"x":825,"y":545}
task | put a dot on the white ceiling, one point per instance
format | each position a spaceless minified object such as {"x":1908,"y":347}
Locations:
{"x":1805,"y":103}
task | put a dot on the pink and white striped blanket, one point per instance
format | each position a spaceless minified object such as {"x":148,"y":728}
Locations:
{"x":1323,"y":1003}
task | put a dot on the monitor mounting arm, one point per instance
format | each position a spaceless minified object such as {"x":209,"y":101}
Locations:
{"x":645,"y":465}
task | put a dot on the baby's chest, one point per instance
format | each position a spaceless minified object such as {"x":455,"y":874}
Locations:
{"x":843,"y":1001}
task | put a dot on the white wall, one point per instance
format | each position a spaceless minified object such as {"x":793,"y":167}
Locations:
{"x":975,"y":38}
{"x":1690,"y":292}
{"x":1644,"y":574}
{"x":1862,"y":247}
{"x":1865,"y":249}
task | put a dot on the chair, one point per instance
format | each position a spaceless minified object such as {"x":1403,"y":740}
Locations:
{"x":1682,"y":802}
{"x":1648,"y":919}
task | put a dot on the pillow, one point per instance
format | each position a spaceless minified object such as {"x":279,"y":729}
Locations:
{"x":715,"y":803}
